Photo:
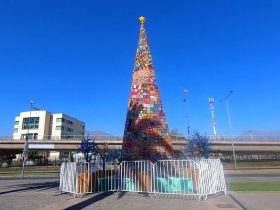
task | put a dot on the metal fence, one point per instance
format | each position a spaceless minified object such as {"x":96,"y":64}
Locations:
{"x":136,"y":176}
{"x":211,"y":177}
{"x":175,"y":138}
{"x":68,"y":177}
{"x":177,"y":177}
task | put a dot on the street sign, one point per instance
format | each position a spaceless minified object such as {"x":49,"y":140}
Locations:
{"x":41,"y":146}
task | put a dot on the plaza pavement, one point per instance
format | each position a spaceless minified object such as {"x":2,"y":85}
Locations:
{"x":44,"y":194}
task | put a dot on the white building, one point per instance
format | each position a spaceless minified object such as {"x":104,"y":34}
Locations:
{"x":64,"y":126}
{"x":45,"y":125}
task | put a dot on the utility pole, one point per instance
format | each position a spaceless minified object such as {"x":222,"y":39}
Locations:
{"x":186,"y":92}
{"x":230,"y":128}
{"x":211,"y":101}
{"x":26,"y":145}
{"x":251,"y":135}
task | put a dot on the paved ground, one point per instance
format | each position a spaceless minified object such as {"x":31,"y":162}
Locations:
{"x":134,"y":201}
{"x":44,"y":194}
{"x":257,"y":200}
{"x":29,"y":194}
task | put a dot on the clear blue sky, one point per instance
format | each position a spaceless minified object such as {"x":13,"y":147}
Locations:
{"x":77,"y":57}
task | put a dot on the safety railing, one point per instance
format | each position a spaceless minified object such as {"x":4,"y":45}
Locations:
{"x":211,"y":178}
{"x":68,"y":177}
{"x":178,"y":177}
{"x":62,"y":138}
{"x":175,"y":138}
{"x":136,"y":176}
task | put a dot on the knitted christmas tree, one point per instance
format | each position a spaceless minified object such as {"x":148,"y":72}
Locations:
{"x":146,"y":135}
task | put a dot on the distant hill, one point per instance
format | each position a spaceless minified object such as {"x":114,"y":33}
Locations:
{"x":97,"y":133}
{"x":103,"y":136}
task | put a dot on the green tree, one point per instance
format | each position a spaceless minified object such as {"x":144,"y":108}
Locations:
{"x":34,"y":156}
{"x":198,"y":146}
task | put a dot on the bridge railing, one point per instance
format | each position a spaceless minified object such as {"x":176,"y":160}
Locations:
{"x":64,"y":138}
{"x":6,"y":138}
{"x":174,"y":138}
{"x":245,"y":138}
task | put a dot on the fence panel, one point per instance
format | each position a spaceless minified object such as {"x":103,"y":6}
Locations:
{"x":175,"y":177}
{"x":135,"y":176}
{"x":211,"y":175}
{"x":106,"y":178}
{"x":68,"y":177}
{"x":96,"y":177}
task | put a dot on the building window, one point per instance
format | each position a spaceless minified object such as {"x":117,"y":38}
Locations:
{"x":69,"y":129}
{"x":60,"y":120}
{"x":60,"y":128}
{"x":15,"y":130}
{"x":29,"y":136}
{"x":30,"y":123}
{"x":64,"y":136}
{"x":69,"y":122}
{"x":16,"y":122}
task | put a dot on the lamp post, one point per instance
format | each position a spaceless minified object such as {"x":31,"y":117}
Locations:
{"x":211,"y":101}
{"x":186,"y":92}
{"x":230,"y":128}
{"x":251,"y":135}
{"x":26,"y":145}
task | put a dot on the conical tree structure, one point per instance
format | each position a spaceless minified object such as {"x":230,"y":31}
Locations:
{"x":146,"y":135}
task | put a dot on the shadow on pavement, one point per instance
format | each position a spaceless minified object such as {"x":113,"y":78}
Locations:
{"x":33,"y":186}
{"x":89,"y":201}
{"x":121,"y":194}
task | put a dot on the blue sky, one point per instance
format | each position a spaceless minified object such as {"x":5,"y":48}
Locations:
{"x":77,"y":57}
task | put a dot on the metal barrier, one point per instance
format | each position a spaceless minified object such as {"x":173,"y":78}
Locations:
{"x":136,"y":176}
{"x":68,"y":173}
{"x":211,"y":177}
{"x":177,"y":177}
{"x":118,"y":138}
{"x":81,"y":178}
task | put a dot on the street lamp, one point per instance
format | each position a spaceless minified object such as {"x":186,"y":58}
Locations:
{"x":230,"y":128}
{"x":251,"y":135}
{"x":186,"y":92}
{"x":26,"y":145}
{"x":211,"y":101}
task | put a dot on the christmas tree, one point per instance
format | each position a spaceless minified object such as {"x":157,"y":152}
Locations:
{"x":146,"y":135}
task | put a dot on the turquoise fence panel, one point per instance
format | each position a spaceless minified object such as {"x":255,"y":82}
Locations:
{"x":108,"y":183}
{"x":174,"y":184}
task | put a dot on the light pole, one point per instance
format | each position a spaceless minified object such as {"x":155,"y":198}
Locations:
{"x":211,"y":101}
{"x":26,"y":145}
{"x":251,"y":135}
{"x":186,"y":91}
{"x":230,"y":128}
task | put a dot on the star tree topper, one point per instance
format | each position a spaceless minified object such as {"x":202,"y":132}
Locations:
{"x":142,"y":19}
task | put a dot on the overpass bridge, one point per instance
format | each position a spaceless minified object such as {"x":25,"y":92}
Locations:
{"x":241,"y":145}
